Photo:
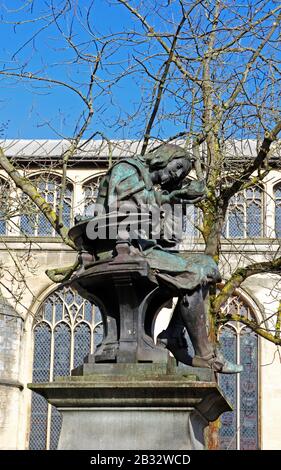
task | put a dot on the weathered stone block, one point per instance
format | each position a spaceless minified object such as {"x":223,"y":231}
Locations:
{"x":138,"y":408}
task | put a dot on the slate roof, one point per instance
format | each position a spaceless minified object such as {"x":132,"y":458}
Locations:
{"x":98,"y":151}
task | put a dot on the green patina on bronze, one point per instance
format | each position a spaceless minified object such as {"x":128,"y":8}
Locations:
{"x":132,"y":180}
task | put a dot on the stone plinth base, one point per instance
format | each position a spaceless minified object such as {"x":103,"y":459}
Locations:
{"x":131,"y":428}
{"x":139,"y":410}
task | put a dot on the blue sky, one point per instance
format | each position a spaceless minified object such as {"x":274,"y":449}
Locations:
{"x":31,"y":110}
{"x":27,"y":106}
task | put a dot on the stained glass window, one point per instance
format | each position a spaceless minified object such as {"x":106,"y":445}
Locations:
{"x":277,"y":196}
{"x":245,"y":215}
{"x":66,"y":329}
{"x":32,"y":221}
{"x":239,"y":428}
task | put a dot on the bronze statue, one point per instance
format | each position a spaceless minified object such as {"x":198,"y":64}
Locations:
{"x":135,"y":180}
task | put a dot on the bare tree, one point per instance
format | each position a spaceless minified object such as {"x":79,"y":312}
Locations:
{"x":203,"y":73}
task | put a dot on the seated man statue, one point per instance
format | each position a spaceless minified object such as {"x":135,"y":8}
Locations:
{"x":153,"y":181}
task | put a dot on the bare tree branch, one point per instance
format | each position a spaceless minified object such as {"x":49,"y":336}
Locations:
{"x":30,"y":190}
{"x":160,"y":87}
{"x":258,"y":162}
{"x":242,"y":273}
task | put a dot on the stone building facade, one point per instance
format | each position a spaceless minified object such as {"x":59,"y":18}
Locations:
{"x":45,"y":330}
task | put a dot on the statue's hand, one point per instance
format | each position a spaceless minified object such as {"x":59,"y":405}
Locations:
{"x":191,"y":193}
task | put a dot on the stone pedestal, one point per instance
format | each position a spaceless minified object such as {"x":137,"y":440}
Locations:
{"x":134,"y":407}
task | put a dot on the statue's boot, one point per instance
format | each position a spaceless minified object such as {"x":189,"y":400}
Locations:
{"x":174,"y":340}
{"x":190,"y":314}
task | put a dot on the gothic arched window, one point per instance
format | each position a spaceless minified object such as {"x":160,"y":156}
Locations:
{"x":245,"y":214}
{"x":90,"y":192}
{"x":277,"y":197}
{"x":32,"y":221}
{"x":65,"y":330}
{"x":239,"y":428}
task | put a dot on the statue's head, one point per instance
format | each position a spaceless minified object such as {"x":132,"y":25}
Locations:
{"x":169,"y":165}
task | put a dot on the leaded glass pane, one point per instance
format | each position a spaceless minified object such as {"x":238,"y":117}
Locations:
{"x":277,"y":194}
{"x":245,"y":215}
{"x":44,"y":227}
{"x":228,"y":384}
{"x":41,"y":373}
{"x":88,"y":311}
{"x":58,"y":306}
{"x":66,"y":215}
{"x":56,"y":421}
{"x":3,"y":215}
{"x":69,"y":297}
{"x":28,"y":224}
{"x":82,"y":343}
{"x":32,"y":221}
{"x":253,"y":220}
{"x":39,"y":422}
{"x":2,"y":224}
{"x":61,"y":368}
{"x":62,"y":350}
{"x":48,"y":311}
{"x":278,"y":220}
{"x":236,"y":223}
{"x":249,"y":390}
